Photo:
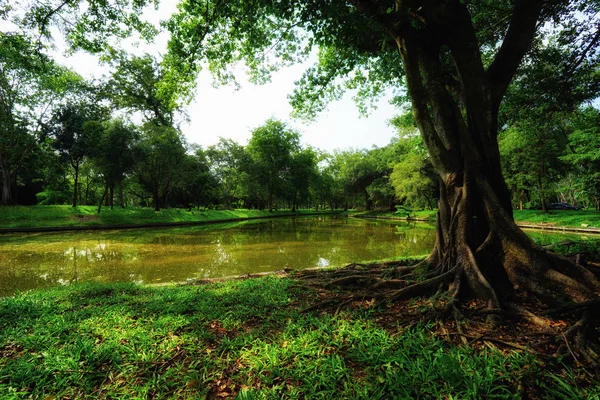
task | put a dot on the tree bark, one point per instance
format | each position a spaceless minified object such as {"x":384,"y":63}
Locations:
{"x":112,"y":196}
{"x":120,"y":196}
{"x":102,"y":198}
{"x":521,"y":196}
{"x":541,"y":190}
{"x":76,"y":183}
{"x":6,"y":187}
{"x":156,"y":198}
{"x":479,"y":249}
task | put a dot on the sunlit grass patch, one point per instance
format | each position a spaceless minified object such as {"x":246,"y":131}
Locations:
{"x":573,"y":218}
{"x":63,"y":215}
{"x":248,"y":338}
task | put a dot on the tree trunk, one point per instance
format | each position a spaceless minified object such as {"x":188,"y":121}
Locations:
{"x":76,"y":184}
{"x":6,"y":187}
{"x":479,"y":249}
{"x":156,"y":201}
{"x":541,"y":190}
{"x":120,"y":196}
{"x":103,"y":197}
{"x":521,"y":196}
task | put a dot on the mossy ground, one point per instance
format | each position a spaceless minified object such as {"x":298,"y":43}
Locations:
{"x":250,"y":339}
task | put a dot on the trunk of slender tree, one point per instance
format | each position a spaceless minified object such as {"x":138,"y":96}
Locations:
{"x":521,"y":196}
{"x":541,"y":190}
{"x":6,"y":187}
{"x":367,"y":201}
{"x":120,"y":196}
{"x":102,"y":198}
{"x":76,"y":183}
{"x":156,"y":201}
{"x":112,"y":196}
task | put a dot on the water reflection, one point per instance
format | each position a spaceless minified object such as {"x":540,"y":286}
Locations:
{"x":166,"y":255}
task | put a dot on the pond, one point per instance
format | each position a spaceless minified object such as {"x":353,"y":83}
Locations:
{"x":166,"y":255}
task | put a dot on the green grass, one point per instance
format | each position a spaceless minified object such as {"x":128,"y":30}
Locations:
{"x":569,"y":218}
{"x":560,"y":217}
{"x":241,"y":337}
{"x":48,"y":216}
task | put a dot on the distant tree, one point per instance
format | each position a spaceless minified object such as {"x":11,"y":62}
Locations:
{"x":583,"y":153}
{"x":195,"y":184}
{"x":30,"y":85}
{"x":271,"y":148}
{"x":73,"y":138}
{"x":358,"y":171}
{"x":134,"y":86}
{"x":227,"y":160}
{"x":413,"y":176}
{"x":157,"y":155}
{"x":113,"y":155}
{"x":531,"y":153}
{"x":302,"y":172}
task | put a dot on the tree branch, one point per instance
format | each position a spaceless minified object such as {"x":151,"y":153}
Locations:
{"x":516,"y":43}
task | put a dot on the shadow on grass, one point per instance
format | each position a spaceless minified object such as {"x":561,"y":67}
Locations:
{"x":245,"y":338}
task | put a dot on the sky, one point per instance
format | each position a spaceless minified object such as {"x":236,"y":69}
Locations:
{"x":231,"y":113}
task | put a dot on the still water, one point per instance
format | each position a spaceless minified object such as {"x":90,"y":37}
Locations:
{"x":29,"y":261}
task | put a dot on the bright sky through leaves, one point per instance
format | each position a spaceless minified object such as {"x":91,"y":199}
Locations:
{"x":228,"y":112}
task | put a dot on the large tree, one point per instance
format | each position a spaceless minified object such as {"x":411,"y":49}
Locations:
{"x":31,"y":84}
{"x":271,"y":150}
{"x":456,"y":60}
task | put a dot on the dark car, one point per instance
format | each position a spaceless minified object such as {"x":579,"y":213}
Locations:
{"x":562,"y":206}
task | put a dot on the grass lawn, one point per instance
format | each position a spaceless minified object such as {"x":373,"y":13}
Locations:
{"x":48,"y":216}
{"x":249,"y":339}
{"x":560,"y":217}
{"x":556,"y":217}
{"x":45,"y":216}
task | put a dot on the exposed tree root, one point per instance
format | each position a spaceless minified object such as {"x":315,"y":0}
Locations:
{"x":569,"y":330}
{"x":483,"y":266}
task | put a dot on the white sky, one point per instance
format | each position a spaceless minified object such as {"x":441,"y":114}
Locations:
{"x":231,"y":113}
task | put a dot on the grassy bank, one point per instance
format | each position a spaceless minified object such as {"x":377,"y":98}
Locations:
{"x":46,"y":216}
{"x":560,"y":217}
{"x":569,"y":218}
{"x":246,"y":338}
{"x":402,"y":213}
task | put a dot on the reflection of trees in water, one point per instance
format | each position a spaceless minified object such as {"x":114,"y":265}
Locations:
{"x":181,"y":253}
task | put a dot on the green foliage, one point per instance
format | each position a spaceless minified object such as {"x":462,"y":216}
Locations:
{"x":134,"y":85}
{"x":86,"y":26}
{"x":157,"y":154}
{"x":51,"y":197}
{"x":271,"y":151}
{"x":29,"y":84}
{"x":229,"y":163}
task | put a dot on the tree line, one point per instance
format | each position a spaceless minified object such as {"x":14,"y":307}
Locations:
{"x":61,"y":143}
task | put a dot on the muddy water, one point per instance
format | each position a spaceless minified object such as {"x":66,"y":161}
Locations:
{"x":30,"y":261}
